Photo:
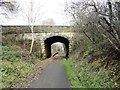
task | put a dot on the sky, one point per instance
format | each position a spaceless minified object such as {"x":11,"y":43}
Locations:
{"x":49,"y":10}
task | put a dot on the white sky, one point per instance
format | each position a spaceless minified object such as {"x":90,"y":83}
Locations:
{"x":51,"y":9}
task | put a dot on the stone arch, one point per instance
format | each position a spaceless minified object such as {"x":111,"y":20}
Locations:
{"x":49,"y":41}
{"x":48,"y":35}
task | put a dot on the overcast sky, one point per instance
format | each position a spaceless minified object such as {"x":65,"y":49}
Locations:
{"x":50,"y":9}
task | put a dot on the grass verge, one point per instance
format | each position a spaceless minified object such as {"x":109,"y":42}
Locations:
{"x":74,"y":82}
{"x":90,"y":75}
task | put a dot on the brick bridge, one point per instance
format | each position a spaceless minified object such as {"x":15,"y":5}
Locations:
{"x":46,"y":35}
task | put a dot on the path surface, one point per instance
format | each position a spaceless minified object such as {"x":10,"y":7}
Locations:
{"x":53,"y":76}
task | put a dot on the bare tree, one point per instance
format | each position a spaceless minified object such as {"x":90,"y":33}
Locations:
{"x":32,"y":14}
{"x":48,"y":22}
{"x":8,"y":7}
{"x":97,"y":19}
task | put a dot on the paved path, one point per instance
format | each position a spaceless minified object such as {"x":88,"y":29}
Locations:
{"x":53,"y":76}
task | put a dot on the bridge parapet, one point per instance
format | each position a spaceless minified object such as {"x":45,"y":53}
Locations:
{"x":37,"y":29}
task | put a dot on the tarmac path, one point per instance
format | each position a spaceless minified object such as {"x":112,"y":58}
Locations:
{"x":53,"y":76}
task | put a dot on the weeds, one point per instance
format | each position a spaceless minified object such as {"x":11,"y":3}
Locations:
{"x":88,"y":75}
{"x":14,"y":70}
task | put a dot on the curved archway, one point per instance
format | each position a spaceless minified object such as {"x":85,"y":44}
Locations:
{"x":58,"y":47}
{"x":49,"y":41}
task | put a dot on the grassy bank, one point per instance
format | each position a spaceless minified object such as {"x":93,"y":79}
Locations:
{"x":17,"y":68}
{"x":88,"y":75}
{"x":74,"y":82}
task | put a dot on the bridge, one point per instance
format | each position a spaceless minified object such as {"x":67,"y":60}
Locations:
{"x":45,"y":35}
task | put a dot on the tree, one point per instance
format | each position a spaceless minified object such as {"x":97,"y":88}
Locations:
{"x":48,"y":22}
{"x":99,"y":22}
{"x":8,"y":8}
{"x":97,"y":19}
{"x":32,"y":15}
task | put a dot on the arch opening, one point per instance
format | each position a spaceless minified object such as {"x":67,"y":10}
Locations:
{"x":59,"y":48}
{"x":51,"y":40}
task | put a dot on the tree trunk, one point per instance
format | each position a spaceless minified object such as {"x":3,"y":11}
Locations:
{"x":32,"y":43}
